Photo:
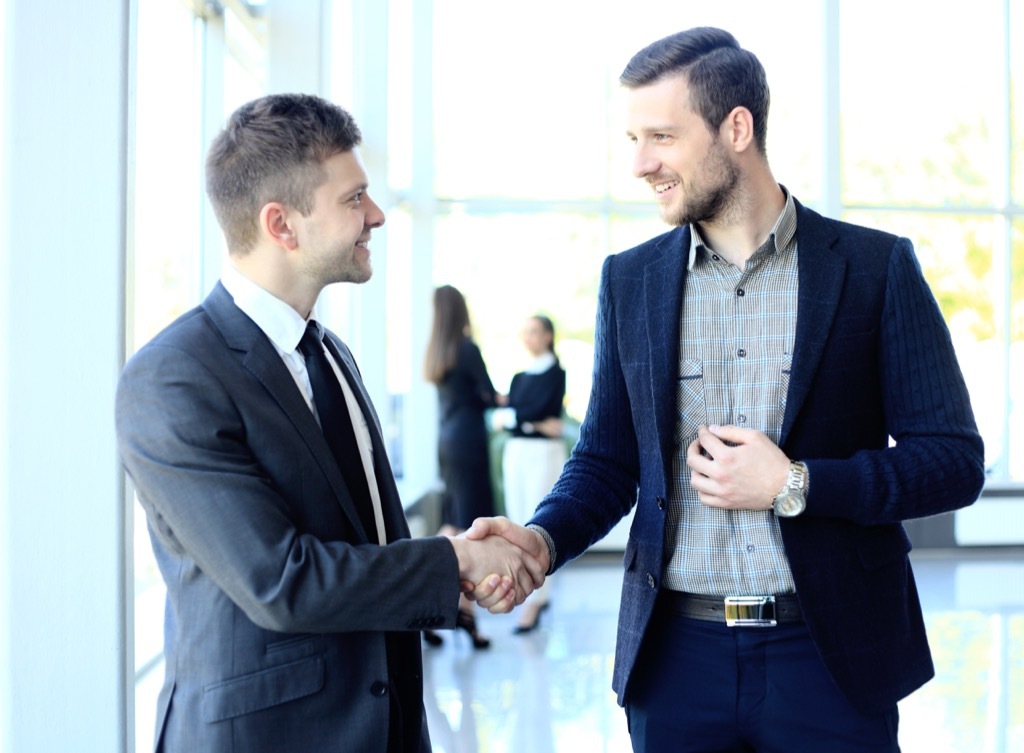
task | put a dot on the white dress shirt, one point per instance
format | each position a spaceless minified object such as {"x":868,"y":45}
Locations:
{"x":285,"y":328}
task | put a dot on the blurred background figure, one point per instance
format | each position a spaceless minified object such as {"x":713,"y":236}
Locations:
{"x":534,"y":454}
{"x":464,"y":390}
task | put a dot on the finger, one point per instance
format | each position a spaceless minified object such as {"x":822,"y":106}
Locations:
{"x":710,"y":441}
{"x":505,"y":605}
{"x":484,"y":589}
{"x":501,"y":599}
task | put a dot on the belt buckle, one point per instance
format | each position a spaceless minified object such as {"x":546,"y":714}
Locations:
{"x":750,"y":611}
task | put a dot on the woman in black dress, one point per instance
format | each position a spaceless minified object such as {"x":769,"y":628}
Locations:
{"x":464,"y":390}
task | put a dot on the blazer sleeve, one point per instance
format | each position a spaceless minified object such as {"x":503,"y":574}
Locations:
{"x":598,"y":485}
{"x":936,"y":461}
{"x":192,"y":444}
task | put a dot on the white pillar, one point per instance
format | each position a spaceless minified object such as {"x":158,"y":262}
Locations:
{"x":63,"y":639}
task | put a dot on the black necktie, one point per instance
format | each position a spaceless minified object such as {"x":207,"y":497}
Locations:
{"x":337,"y":424}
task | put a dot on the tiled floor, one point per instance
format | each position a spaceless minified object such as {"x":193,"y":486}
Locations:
{"x":551,"y":690}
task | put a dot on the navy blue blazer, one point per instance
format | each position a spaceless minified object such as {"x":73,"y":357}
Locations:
{"x":285,"y":628}
{"x":872,"y":360}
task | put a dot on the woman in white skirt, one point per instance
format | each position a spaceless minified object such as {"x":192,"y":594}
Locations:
{"x":534,"y":454}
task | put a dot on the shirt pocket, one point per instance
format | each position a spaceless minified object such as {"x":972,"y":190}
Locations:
{"x":691,"y":402}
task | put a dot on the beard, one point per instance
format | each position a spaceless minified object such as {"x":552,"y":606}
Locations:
{"x":340,"y":266}
{"x":711,"y":195}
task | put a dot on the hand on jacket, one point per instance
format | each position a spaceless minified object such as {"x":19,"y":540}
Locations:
{"x":736,"y":469}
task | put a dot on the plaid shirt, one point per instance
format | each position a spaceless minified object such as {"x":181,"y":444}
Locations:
{"x":735,"y":352}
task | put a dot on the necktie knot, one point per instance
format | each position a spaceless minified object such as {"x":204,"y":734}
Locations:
{"x":312,"y":341}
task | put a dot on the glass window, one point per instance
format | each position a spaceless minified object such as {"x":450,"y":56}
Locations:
{"x":526,"y":113}
{"x":1016,"y":74}
{"x":922,"y":112}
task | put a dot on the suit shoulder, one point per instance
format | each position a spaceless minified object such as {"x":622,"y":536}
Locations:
{"x":676,"y":240}
{"x":192,"y":334}
{"x":812,"y":225}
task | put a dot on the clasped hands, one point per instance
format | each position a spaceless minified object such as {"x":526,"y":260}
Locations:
{"x":500,"y":563}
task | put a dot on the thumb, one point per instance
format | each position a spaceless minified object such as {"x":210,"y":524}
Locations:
{"x":484,"y":527}
{"x":731,"y":434}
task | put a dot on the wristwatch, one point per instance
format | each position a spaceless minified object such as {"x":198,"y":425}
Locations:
{"x":792,"y":500}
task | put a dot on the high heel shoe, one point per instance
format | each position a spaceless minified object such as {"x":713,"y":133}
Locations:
{"x":466,"y":621}
{"x":524,"y":629}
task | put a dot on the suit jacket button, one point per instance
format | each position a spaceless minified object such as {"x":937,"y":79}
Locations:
{"x":379,"y":689}
{"x":661,"y":503}
{"x":650,"y":580}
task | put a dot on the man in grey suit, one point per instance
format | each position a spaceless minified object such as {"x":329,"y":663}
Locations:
{"x":774,"y":393}
{"x":295,"y":596}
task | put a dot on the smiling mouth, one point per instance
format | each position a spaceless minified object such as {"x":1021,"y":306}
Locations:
{"x":660,"y":188}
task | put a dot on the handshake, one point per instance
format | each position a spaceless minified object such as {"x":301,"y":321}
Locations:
{"x":500,"y":563}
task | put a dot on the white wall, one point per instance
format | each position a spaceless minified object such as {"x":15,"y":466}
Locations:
{"x":63,"y":644}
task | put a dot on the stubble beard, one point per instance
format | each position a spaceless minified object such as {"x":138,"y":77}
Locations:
{"x":709,"y":200}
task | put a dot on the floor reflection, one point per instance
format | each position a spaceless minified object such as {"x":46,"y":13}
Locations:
{"x":551,"y":690}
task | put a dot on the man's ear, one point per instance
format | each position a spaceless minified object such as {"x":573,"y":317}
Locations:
{"x":276,"y":225}
{"x":738,"y":129}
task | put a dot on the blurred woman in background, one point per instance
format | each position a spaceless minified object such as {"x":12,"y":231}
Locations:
{"x":534,"y":454}
{"x":464,"y":390}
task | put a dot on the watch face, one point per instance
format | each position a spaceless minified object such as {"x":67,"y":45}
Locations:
{"x":789,"y":504}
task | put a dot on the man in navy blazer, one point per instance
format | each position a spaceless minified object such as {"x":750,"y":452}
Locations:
{"x":775,"y":392}
{"x":291,"y":624}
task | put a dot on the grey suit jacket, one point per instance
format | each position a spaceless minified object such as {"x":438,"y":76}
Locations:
{"x":872,"y":359}
{"x":280,"y":615}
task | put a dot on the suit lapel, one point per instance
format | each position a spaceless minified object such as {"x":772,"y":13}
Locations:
{"x":261,"y":359}
{"x":664,"y":279}
{"x":821,"y":274}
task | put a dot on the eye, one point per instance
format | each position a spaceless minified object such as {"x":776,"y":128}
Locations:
{"x":357,"y":197}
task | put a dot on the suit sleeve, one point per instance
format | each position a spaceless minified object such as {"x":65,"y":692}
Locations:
{"x":598,"y":485}
{"x":216,"y":512}
{"x":936,"y":461}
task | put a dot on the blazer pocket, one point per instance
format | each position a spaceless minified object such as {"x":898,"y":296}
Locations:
{"x":263,"y":689}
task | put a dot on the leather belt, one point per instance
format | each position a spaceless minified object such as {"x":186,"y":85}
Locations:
{"x":735,"y":611}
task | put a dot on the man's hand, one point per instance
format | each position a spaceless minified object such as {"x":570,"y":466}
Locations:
{"x":525,"y":538}
{"x":495,"y":572}
{"x":736,"y":469}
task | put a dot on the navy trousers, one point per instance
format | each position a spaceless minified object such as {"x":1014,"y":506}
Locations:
{"x":703,"y":687}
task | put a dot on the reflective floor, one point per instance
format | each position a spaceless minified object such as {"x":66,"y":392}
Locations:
{"x":551,"y":690}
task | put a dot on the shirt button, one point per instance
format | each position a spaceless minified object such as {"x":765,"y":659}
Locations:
{"x":714,"y":256}
{"x":379,"y":689}
{"x":750,"y":548}
{"x":741,"y":292}
{"x":741,"y":353}
{"x":741,"y":419}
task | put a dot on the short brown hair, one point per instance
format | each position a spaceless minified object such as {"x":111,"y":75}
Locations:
{"x":273,"y":149}
{"x":721,"y":75}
